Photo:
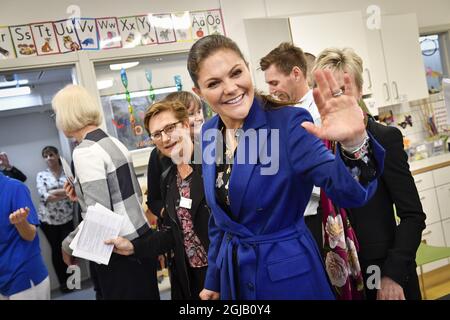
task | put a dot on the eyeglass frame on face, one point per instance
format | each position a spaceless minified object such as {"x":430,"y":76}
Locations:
{"x":165,"y":130}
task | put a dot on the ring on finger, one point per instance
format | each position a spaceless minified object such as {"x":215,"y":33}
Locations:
{"x":337,"y":93}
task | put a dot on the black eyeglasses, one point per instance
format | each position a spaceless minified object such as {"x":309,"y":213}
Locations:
{"x":168,"y":130}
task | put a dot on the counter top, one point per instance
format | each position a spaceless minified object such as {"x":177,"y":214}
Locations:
{"x":432,"y":163}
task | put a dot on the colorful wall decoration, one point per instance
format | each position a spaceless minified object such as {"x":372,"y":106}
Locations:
{"x":62,"y":36}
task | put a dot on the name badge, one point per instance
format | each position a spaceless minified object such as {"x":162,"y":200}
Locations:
{"x":185,"y":203}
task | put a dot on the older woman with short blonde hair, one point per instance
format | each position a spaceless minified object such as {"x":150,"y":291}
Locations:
{"x":76,"y":109}
{"x":104,"y":174}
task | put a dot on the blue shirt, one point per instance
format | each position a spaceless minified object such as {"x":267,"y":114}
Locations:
{"x":20,"y":260}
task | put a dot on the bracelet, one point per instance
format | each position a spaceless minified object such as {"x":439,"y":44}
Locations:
{"x":355,"y":149}
{"x":359,"y":153}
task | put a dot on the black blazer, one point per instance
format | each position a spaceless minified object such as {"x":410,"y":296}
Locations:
{"x":391,"y":247}
{"x":170,"y":238}
{"x":157,"y":164}
{"x":15,"y":173}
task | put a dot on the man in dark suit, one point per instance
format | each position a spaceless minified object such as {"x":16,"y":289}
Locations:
{"x":384,"y":243}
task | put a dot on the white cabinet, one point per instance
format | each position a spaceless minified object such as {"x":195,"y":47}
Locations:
{"x":430,"y":206}
{"x":434,"y":236}
{"x":434,"y":193}
{"x":441,"y":176}
{"x":313,"y":33}
{"x":424,"y":181}
{"x":264,"y":35}
{"x":446,"y":229}
{"x":443,"y":196}
{"x":398,"y":71}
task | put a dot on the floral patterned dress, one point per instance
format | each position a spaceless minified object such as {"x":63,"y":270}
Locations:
{"x":195,"y":252}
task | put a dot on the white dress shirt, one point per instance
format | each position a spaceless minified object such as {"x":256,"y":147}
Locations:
{"x":307,"y":102}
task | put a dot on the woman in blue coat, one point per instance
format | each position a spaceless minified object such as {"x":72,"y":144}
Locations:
{"x":258,"y":182}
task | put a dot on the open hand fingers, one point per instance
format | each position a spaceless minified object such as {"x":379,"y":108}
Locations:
{"x":332,"y":83}
{"x":350,"y":88}
{"x":322,"y":84}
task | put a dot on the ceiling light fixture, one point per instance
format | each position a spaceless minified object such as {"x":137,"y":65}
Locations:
{"x":126,"y":65}
{"x":13,"y":83}
{"x":13,"y":92}
{"x":105,"y":84}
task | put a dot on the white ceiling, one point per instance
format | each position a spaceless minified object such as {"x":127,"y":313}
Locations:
{"x":44,"y":84}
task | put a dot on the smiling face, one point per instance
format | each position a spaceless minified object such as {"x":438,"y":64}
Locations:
{"x":196,"y":118}
{"x":283,"y":87}
{"x":224,"y":81}
{"x":168,"y":142}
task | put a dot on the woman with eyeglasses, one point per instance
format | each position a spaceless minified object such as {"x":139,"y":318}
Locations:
{"x":158,"y":163}
{"x":184,"y":234}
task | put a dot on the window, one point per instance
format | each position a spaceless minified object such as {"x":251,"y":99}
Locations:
{"x":434,"y":59}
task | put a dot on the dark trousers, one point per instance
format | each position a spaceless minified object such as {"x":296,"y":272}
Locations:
{"x":55,"y":235}
{"x":125,"y":278}
{"x":196,"y":281}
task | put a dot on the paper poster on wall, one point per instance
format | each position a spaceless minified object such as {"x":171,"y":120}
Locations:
{"x":164,"y":27}
{"x":108,"y":32}
{"x":199,"y":27}
{"x":147,"y":29}
{"x":23,"y":40}
{"x":86,"y":30}
{"x":6,"y":44}
{"x":182,"y":25}
{"x":131,"y":36}
{"x":45,"y":38}
{"x":214,"y":22}
{"x":66,"y":35}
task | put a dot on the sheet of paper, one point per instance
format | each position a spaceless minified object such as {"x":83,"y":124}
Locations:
{"x":100,"y":224}
{"x":74,"y":242}
{"x":67,"y":171}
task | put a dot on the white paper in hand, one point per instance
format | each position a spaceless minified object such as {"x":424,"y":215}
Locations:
{"x":74,"y":242}
{"x":100,"y":224}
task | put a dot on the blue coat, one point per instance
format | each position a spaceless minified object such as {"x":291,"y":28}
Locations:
{"x":277,"y":257}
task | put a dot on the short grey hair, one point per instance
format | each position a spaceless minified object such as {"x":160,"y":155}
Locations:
{"x":345,"y":60}
{"x":75,"y":109}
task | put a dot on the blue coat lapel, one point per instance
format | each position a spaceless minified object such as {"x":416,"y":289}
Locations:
{"x":242,"y":172}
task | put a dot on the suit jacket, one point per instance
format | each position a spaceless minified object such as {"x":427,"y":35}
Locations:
{"x":381,"y":241}
{"x":276,"y":255}
{"x":15,"y":173}
{"x":157,"y":164}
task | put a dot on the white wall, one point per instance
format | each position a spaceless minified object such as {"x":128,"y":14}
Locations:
{"x":22,"y":137}
{"x":430,"y":14}
{"x":25,"y":11}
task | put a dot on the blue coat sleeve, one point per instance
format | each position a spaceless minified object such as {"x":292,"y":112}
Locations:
{"x":212,"y":279}
{"x":310,"y":158}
